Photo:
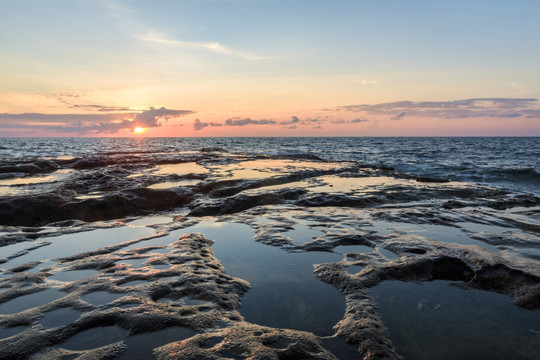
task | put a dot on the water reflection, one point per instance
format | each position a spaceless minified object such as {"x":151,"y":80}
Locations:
{"x":59,"y":317}
{"x":285,"y":292}
{"x":25,"y":302}
{"x":99,"y":298}
{"x":434,"y":320}
{"x":72,"y":244}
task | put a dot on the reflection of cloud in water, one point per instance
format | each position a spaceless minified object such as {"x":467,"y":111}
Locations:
{"x":174,"y":184}
{"x":179,"y":169}
{"x":77,"y":243}
{"x":282,"y":283}
{"x":18,"y":185}
{"x":90,"y":195}
{"x":350,"y":185}
{"x":266,"y":168}
{"x":173,"y":169}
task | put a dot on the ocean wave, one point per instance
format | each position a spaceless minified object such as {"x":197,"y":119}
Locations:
{"x":509,"y":162}
{"x":520,"y":175}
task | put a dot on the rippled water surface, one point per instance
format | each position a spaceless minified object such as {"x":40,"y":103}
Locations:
{"x":511,"y":162}
{"x":416,"y":247}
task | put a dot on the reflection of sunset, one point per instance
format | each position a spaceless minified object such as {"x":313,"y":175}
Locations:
{"x":139,"y":130}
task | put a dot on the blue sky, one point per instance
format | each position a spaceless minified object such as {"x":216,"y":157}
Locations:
{"x":270,"y":60}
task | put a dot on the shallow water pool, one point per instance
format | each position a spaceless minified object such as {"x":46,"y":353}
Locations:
{"x":436,"y":320}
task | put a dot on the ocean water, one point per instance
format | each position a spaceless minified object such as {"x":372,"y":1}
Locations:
{"x":312,"y":224}
{"x":509,"y":162}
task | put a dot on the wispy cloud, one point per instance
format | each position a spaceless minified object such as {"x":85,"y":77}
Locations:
{"x":467,"y":108}
{"x":361,"y":120}
{"x":367,"y":82}
{"x":125,"y":18}
{"x":77,"y":101}
{"x":215,"y":47}
{"x":102,"y":108}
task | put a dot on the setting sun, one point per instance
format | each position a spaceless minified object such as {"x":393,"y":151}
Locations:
{"x":139,"y":130}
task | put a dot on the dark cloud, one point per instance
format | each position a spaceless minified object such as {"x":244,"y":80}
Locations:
{"x":294,"y":120}
{"x":342,"y":121}
{"x":314,"y":122}
{"x":199,"y":125}
{"x":90,"y":123}
{"x":310,"y":121}
{"x":467,"y":108}
{"x":100,"y":128}
{"x":399,"y":116}
{"x":248,"y":121}
{"x":151,"y":117}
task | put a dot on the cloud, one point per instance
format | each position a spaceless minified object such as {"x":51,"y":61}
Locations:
{"x":151,"y":117}
{"x":106,"y":123}
{"x":18,"y":119}
{"x":199,"y":125}
{"x":100,"y":128}
{"x":467,"y":108}
{"x":367,"y":82}
{"x":248,"y":121}
{"x":294,"y":120}
{"x":399,"y":116}
{"x":215,"y":47}
{"x":67,"y":98}
{"x":342,"y":121}
{"x":314,"y":122}
{"x":102,"y":108}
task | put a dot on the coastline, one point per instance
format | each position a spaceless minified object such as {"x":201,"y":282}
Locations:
{"x":354,"y":226}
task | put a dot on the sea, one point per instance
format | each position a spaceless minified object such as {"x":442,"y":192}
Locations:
{"x":280,"y":247}
{"x":509,"y":162}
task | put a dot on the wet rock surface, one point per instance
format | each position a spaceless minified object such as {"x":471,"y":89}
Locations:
{"x":115,"y":185}
{"x":247,"y":341}
{"x":107,"y":282}
{"x":110,"y":299}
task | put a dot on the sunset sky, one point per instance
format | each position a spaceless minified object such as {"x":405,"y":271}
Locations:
{"x":269,"y":68}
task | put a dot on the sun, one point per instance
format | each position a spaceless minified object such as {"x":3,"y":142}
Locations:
{"x":139,"y":130}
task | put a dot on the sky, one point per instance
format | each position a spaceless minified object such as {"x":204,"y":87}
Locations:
{"x":269,"y":68}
